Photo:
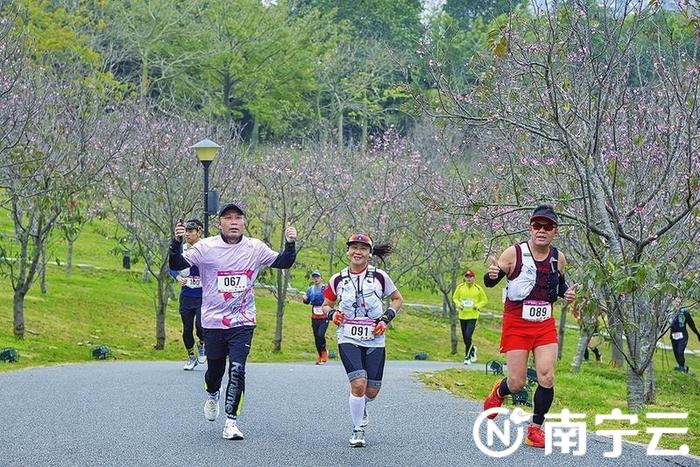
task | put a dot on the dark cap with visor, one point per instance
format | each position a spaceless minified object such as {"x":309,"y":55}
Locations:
{"x":545,"y":212}
{"x":193,"y":224}
{"x":230,"y":206}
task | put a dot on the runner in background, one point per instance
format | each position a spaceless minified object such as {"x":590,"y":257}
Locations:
{"x":319,"y":320}
{"x":469,"y":298}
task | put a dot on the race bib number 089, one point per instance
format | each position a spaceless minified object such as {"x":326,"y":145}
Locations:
{"x":536,"y":310}
{"x":230,"y":282}
{"x":360,"y":329}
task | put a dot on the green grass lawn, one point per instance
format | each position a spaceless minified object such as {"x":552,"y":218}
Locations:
{"x":596,"y":389}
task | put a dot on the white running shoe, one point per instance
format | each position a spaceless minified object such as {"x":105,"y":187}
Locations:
{"x":231,"y":430}
{"x":211,"y":409}
{"x":467,"y":361}
{"x":365,"y":419}
{"x":473,"y":359}
{"x":191,"y":363}
{"x":201,"y":354}
{"x":357,"y":440}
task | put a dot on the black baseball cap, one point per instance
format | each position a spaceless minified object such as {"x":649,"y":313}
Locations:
{"x":545,"y":211}
{"x":230,"y":206}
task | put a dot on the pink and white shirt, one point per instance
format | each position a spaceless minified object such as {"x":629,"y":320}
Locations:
{"x":228,"y":272}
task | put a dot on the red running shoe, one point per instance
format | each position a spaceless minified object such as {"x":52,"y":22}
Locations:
{"x":535,"y":436}
{"x":324,"y":356}
{"x":493,"y":400}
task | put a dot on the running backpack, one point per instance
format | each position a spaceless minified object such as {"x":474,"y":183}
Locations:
{"x":9,"y":355}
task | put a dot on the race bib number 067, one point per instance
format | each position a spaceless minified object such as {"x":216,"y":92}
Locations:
{"x":231,"y":282}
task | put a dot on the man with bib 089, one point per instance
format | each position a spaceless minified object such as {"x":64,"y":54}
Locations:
{"x":535,"y":273}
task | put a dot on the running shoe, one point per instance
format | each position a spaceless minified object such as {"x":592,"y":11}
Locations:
{"x":493,"y":400}
{"x":357,"y":440}
{"x":191,"y":363}
{"x":535,"y":436}
{"x":365,"y":418}
{"x":231,"y":430}
{"x":201,"y":354}
{"x":324,"y":356}
{"x":467,"y":361}
{"x":211,"y":408}
{"x":473,"y":357}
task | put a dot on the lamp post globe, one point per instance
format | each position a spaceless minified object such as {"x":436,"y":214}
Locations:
{"x":205,"y":151}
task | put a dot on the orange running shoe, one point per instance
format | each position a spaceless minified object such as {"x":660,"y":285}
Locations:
{"x":535,"y":436}
{"x":324,"y":356}
{"x":493,"y":400}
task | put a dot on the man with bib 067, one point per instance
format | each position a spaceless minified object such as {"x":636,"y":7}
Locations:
{"x":228,"y":265}
{"x":535,"y":272}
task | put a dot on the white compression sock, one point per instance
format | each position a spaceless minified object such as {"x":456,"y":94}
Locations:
{"x":357,"y":409}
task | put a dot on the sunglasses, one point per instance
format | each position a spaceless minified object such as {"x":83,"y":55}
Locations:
{"x":548,"y":227}
{"x":191,"y":225}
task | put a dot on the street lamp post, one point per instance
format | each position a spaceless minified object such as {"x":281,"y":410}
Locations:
{"x":206,"y":152}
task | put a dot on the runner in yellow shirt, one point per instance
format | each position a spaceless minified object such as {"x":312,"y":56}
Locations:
{"x":469,"y":298}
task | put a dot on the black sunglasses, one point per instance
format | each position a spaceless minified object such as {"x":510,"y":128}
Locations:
{"x":192,"y":225}
{"x":548,"y":227}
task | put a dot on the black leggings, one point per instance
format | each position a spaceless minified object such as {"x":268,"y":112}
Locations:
{"x":468,"y":326}
{"x":190,"y":313}
{"x":319,"y":326}
{"x":679,"y":349}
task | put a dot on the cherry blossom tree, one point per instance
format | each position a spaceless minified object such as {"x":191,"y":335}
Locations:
{"x":594,"y":109}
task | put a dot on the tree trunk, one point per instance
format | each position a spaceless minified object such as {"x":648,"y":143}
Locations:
{"x":18,"y":313}
{"x":453,"y":324}
{"x":332,"y":240}
{"x":282,"y":281}
{"x":161,"y":307}
{"x":363,"y":143}
{"x":146,"y":275}
{"x":340,"y":128}
{"x":650,"y":384}
{"x":562,"y":329}
{"x":69,"y":258}
{"x":580,"y":350}
{"x":635,"y":390}
{"x":255,"y":132}
{"x":617,"y":358}
{"x":42,"y":270}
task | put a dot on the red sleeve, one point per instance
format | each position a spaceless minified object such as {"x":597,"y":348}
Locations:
{"x":329,"y":294}
{"x":329,"y":290}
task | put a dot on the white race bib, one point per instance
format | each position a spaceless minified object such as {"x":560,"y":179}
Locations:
{"x":676,"y":336}
{"x":229,"y":281}
{"x":317,"y":310}
{"x":536,"y":310}
{"x":467,"y":303}
{"x":361,"y":329}
{"x":194,"y":282}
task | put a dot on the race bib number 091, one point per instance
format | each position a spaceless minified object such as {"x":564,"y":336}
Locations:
{"x":536,"y":310}
{"x":230,"y":282}
{"x":360,"y":329}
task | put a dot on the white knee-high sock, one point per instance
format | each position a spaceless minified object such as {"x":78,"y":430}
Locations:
{"x":357,"y":409}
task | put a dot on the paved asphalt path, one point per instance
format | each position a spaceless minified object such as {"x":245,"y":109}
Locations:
{"x":150,"y":413}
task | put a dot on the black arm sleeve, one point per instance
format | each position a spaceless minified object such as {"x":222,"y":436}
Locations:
{"x":691,"y":324}
{"x":563,"y":286}
{"x":488,"y":282}
{"x":176,"y":261}
{"x":287,"y":257}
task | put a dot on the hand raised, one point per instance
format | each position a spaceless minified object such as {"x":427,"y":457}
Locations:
{"x":290,"y":233}
{"x":494,"y":268}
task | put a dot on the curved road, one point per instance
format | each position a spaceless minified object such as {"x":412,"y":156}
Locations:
{"x":150,"y":413}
